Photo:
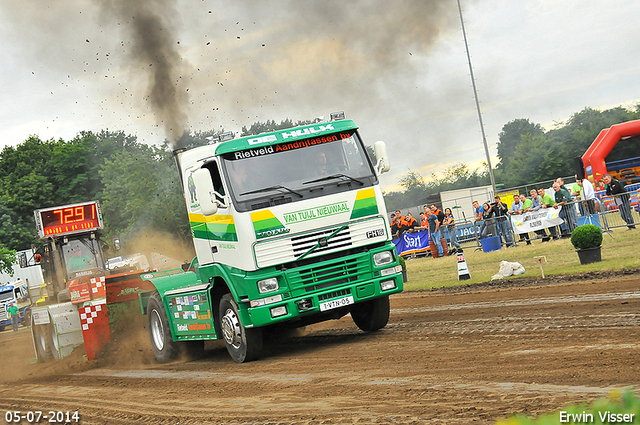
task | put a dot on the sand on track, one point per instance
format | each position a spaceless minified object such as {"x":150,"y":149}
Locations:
{"x":447,"y":356}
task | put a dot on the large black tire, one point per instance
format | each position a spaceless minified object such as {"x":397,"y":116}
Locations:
{"x":2,"y":328}
{"x":42,"y":341}
{"x":164,"y":348}
{"x":371,"y":315}
{"x":243,"y":345}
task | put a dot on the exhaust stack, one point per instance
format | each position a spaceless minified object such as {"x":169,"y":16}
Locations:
{"x":177,"y":154}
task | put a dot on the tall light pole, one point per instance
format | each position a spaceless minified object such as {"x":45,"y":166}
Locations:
{"x":475,"y":94}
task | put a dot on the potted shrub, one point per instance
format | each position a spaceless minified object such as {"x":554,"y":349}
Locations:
{"x":403,"y":264}
{"x":587,"y":240}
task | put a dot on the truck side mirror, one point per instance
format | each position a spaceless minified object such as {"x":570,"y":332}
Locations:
{"x":382,"y":158}
{"x":205,"y":192}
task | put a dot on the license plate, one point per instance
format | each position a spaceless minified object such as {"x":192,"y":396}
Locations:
{"x":340,"y":302}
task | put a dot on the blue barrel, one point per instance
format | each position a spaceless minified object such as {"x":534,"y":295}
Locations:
{"x":491,"y":243}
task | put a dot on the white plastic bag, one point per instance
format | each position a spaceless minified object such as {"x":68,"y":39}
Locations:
{"x":508,"y":269}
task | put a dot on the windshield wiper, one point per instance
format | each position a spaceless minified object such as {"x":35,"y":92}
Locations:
{"x":270,"y":188}
{"x":335,"y":176}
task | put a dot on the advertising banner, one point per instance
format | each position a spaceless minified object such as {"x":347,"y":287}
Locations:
{"x":465,"y":232}
{"x":536,"y":220}
{"x":411,"y":243}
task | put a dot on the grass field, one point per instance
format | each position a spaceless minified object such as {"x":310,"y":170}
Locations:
{"x":620,"y":249}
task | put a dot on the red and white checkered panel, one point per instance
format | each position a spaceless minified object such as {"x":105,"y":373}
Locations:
{"x":98,"y":287}
{"x":89,"y":315}
{"x":96,"y":332}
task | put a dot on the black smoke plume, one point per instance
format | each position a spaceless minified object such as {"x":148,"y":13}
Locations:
{"x":150,"y":30}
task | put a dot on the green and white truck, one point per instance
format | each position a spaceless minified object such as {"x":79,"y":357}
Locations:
{"x":289,"y":229}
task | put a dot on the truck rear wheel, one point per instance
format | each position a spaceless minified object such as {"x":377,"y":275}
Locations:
{"x":242,"y":344}
{"x":371,"y":315}
{"x":164,"y":348}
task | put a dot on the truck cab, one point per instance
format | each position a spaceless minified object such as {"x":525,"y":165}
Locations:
{"x":71,"y":252}
{"x":289,"y":229}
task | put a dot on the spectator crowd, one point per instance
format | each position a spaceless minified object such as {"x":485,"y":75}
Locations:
{"x":493,"y":219}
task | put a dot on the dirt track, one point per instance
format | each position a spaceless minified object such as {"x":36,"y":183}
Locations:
{"x":450,"y":358}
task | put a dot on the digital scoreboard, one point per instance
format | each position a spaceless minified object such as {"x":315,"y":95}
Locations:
{"x":68,"y":219}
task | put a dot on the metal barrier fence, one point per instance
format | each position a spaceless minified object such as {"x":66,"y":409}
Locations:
{"x":469,"y":234}
{"x":607,"y":212}
{"x":620,"y":211}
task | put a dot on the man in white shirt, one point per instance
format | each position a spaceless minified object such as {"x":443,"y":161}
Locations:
{"x":588,"y":196}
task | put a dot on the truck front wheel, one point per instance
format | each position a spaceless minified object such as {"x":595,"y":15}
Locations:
{"x":242,"y":344}
{"x":164,"y":348}
{"x":371,"y":315}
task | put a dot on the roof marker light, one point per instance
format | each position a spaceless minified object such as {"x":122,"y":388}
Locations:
{"x":335,"y":116}
{"x":226,"y":136}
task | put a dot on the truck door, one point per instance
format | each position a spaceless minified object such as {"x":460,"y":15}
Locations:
{"x":216,"y":228}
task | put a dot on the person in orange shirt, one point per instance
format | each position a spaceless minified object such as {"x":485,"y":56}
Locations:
{"x":320,"y":163}
{"x":398,"y":215}
{"x":435,"y":210}
{"x":424,"y":224}
{"x":410,"y":223}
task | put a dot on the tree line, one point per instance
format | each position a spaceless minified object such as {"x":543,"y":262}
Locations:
{"x":139,"y":188}
{"x":138,"y":185}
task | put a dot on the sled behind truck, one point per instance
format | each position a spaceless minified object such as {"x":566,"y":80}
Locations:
{"x":84,"y":300}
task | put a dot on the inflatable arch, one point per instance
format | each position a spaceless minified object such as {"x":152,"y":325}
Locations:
{"x":602,"y":145}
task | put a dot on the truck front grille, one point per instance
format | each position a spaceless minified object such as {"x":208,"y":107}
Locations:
{"x":302,"y":244}
{"x":287,"y":249}
{"x":327,"y":275}
{"x":3,"y":312}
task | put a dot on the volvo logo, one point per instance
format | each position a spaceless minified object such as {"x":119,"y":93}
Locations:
{"x":322,"y":242}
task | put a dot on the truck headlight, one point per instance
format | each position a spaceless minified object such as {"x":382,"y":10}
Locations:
{"x":268,"y":285}
{"x":382,"y":258}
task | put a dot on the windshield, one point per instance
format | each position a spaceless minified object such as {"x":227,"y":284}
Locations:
{"x":80,"y":256}
{"x":5,"y":296}
{"x":288,"y":172}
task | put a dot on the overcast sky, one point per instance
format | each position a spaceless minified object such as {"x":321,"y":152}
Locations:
{"x":398,"y":68}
